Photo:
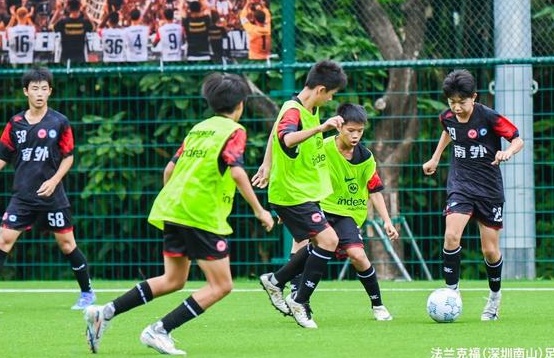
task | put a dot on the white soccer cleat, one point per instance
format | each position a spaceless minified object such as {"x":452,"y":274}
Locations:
{"x":381,"y":313}
{"x":302,"y":313}
{"x":96,"y":325}
{"x":275,"y":294}
{"x":490,"y":312}
{"x":156,"y":337}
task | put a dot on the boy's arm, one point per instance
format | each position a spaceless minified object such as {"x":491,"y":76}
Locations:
{"x":430,"y":167}
{"x":504,"y":155}
{"x":243,"y":184}
{"x":2,"y":164}
{"x":48,"y":187}
{"x":261,"y":178}
{"x":378,"y":202}
{"x":294,"y":138}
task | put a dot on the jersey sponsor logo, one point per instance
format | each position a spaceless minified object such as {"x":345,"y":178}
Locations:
{"x":472,"y":133}
{"x":194,"y":153}
{"x":316,"y":217}
{"x":221,"y":245}
{"x":351,"y":201}
{"x":52,"y":133}
{"x":317,"y":159}
{"x":41,"y":133}
{"x":483,"y":132}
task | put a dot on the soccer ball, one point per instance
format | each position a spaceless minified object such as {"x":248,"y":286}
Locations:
{"x":444,"y":305}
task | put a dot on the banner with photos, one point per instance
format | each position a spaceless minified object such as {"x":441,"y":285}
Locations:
{"x":125,"y":31}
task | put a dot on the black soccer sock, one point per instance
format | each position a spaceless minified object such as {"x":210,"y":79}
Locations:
{"x":368,"y":278}
{"x":137,"y":296}
{"x":183,"y":313}
{"x":494,"y":274}
{"x":451,"y":266}
{"x":80,"y":269}
{"x":3,"y":258}
{"x":313,"y":271}
{"x":294,"y":267}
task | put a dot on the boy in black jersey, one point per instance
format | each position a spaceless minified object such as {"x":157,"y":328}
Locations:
{"x":39,"y":144}
{"x":474,"y":186}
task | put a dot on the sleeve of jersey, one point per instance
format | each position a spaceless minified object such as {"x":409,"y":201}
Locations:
{"x":6,"y":145}
{"x":375,"y":185}
{"x":289,"y":123}
{"x":66,"y":142}
{"x":505,"y":128}
{"x":233,"y":152}
{"x":178,"y":153}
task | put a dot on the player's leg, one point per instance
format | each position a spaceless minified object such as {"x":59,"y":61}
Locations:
{"x":14,"y":222}
{"x":368,"y":277}
{"x":451,"y":252}
{"x":219,"y":284}
{"x":8,"y":237}
{"x":176,"y":271}
{"x":274,"y":283}
{"x":490,"y":246}
{"x":59,"y":222}
{"x":325,"y":243}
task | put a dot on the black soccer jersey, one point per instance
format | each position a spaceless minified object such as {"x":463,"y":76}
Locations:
{"x":473,"y":148}
{"x":36,"y":151}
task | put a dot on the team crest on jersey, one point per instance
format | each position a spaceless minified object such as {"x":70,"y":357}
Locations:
{"x":52,"y":133}
{"x":483,"y":132}
{"x":41,"y":133}
{"x":472,"y":133}
{"x":11,"y":218}
{"x":353,"y":188}
{"x":318,"y":142}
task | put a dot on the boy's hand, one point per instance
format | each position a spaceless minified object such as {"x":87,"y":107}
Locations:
{"x":430,"y":167}
{"x":332,"y":123}
{"x":261,"y":178}
{"x":266,"y":219}
{"x":501,"y":156}
{"x":391,"y":231}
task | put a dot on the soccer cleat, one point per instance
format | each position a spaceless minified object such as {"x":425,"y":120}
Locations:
{"x":301,"y":312}
{"x":381,"y":313}
{"x":85,"y":299}
{"x":490,"y":312}
{"x":156,"y":337}
{"x":96,"y":325}
{"x":275,"y":294}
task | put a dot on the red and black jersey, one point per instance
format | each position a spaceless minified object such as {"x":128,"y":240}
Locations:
{"x":473,"y":149}
{"x":36,"y":151}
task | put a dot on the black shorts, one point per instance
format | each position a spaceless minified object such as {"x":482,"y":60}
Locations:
{"x":348,"y":232}
{"x":19,"y":218}
{"x":196,"y":244}
{"x":304,"y":221}
{"x":486,"y":212}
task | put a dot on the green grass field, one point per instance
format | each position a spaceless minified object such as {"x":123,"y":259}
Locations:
{"x":35,"y":321}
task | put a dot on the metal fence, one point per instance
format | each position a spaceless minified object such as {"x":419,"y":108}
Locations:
{"x":128,"y":121}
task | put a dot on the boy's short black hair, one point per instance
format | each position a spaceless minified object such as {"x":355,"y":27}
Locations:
{"x":459,"y":83}
{"x":352,"y":113}
{"x":74,"y":5}
{"x":224,"y":92}
{"x":326,"y":73}
{"x":37,"y":74}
